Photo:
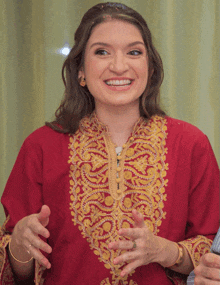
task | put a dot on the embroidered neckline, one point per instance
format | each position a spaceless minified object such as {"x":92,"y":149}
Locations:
{"x":96,"y":206}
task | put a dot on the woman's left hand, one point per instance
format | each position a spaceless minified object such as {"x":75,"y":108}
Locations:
{"x":208,"y":270}
{"x":143,"y":248}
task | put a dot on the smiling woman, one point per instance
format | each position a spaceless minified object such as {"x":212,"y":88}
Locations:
{"x":112,"y":191}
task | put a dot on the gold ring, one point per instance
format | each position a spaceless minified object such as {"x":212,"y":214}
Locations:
{"x":134,"y":244}
{"x":28,"y":251}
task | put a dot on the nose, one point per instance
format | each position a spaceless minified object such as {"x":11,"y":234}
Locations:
{"x":119,"y":64}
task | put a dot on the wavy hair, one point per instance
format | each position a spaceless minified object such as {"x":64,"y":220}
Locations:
{"x":78,"y":102}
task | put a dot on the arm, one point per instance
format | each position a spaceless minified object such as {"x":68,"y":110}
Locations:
{"x":21,"y":198}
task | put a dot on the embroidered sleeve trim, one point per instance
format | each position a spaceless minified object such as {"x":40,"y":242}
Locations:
{"x":6,"y":274}
{"x":197,"y":247}
{"x":39,"y":270}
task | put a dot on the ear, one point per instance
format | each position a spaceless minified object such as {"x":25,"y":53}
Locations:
{"x":81,"y":73}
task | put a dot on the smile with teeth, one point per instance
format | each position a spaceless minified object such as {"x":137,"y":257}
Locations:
{"x":124,"y":82}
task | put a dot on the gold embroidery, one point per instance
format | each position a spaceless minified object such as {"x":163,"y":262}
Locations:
{"x":39,"y":270}
{"x":197,"y":247}
{"x":107,"y":282}
{"x":4,"y":263}
{"x":98,"y":206}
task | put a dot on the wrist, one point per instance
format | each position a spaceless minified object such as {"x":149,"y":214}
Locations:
{"x":180,"y":257}
{"x":169,"y":254}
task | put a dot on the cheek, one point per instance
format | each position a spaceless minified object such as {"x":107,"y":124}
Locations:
{"x":143,"y":73}
{"x":93,"y":68}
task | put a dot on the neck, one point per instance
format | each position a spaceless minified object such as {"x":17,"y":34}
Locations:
{"x":120,"y":122}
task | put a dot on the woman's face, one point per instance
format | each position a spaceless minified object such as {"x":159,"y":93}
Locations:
{"x":115,"y":64}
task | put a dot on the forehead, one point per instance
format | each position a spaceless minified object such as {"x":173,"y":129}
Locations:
{"x":114,"y":31}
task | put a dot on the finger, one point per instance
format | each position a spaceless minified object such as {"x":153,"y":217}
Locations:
{"x":39,"y":257}
{"x":127,"y":244}
{"x":44,"y":214}
{"x":211,"y":260}
{"x":37,"y":227}
{"x":138,"y":219}
{"x":130,"y":267}
{"x":199,"y":280}
{"x":38,"y":243}
{"x":126,"y":257}
{"x":133,"y":233}
{"x":207,"y":272}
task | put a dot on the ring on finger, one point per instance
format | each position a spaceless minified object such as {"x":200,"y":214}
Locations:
{"x":134,"y":244}
{"x":28,"y":250}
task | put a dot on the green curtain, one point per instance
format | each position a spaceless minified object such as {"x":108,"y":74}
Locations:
{"x":185,"y":32}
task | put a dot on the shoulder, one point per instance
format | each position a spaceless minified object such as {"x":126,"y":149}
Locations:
{"x":187,"y":138}
{"x":45,"y":137}
{"x":183,"y":127}
{"x":185,"y":130}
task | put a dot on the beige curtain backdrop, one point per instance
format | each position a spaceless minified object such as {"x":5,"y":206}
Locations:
{"x":185,"y":32}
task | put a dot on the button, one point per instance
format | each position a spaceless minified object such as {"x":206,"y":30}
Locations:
{"x":131,"y":139}
{"x":118,"y":169}
{"x":124,"y":145}
{"x":119,"y":157}
{"x":119,"y":191}
{"x":118,"y":180}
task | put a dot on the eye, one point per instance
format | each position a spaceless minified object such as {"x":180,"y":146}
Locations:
{"x":135,"y":52}
{"x":101,"y":52}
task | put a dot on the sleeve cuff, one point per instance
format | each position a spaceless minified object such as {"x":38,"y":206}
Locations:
{"x":197,"y":247}
{"x":6,"y":274}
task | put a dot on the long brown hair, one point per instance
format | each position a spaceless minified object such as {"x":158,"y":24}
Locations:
{"x":78,"y":101}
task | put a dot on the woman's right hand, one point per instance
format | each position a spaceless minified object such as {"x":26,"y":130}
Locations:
{"x":26,"y":236}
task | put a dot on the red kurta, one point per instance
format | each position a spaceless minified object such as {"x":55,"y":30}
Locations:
{"x":167,"y":172}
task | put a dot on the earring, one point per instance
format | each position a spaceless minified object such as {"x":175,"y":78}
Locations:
{"x":82,"y":82}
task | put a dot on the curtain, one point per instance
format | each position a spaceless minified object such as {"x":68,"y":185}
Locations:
{"x":185,"y":32}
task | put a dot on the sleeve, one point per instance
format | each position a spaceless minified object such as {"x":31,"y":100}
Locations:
{"x":22,"y":197}
{"x":203,"y":207}
{"x":203,"y":200}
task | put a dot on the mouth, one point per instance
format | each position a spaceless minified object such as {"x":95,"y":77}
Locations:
{"x":124,"y":82}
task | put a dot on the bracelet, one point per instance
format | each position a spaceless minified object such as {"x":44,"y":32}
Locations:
{"x":180,"y":256}
{"x":9,"y":247}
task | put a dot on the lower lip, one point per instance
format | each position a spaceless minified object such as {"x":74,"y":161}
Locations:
{"x":120,"y":88}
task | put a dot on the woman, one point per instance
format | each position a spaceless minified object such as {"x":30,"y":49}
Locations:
{"x":113,"y":191}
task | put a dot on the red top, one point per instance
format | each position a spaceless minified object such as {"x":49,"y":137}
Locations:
{"x":167,"y":172}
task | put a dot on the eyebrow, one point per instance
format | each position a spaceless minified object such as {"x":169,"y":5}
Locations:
{"x":108,"y":45}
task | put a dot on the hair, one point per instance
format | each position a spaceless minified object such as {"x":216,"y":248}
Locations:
{"x":78,"y":102}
